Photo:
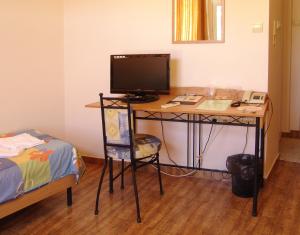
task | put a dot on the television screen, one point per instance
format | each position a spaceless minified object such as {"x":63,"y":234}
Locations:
{"x":140,"y":74}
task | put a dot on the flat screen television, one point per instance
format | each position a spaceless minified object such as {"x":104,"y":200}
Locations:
{"x":142,"y":77}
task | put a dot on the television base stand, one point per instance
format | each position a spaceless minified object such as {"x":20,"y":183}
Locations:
{"x":138,"y":99}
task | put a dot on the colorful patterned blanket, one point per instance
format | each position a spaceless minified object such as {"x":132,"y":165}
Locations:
{"x":37,"y":166}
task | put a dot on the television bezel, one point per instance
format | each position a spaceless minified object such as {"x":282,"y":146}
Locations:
{"x":140,"y":91}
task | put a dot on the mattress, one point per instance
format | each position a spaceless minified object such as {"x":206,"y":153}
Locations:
{"x":37,"y":166}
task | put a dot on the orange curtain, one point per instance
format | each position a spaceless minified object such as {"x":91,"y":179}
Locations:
{"x":190,"y":20}
{"x":202,"y":19}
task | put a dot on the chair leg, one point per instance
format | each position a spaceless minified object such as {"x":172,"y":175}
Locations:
{"x":111,"y":176}
{"x":138,"y":215}
{"x":99,"y":186}
{"x":122,"y":175}
{"x":159,"y":175}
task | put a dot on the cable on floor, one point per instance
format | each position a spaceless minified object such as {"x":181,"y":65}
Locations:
{"x":185,"y":173}
{"x":169,"y":157}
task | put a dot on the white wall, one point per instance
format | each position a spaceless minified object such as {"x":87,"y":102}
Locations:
{"x":31,"y":66}
{"x":96,"y":29}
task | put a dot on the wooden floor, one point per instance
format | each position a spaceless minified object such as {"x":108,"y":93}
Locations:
{"x":190,"y":206}
{"x":290,"y":149}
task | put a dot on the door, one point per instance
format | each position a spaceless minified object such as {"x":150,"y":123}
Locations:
{"x":295,"y":68}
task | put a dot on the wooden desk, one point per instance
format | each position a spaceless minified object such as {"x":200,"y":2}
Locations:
{"x":191,"y":109}
{"x":192,"y":116}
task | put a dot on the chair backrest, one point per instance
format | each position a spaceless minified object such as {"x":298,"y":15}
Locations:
{"x":117,"y":123}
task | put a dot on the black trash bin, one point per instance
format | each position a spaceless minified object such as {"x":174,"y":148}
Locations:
{"x":241,"y":167}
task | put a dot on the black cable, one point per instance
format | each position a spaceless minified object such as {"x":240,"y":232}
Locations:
{"x":272,"y":109}
{"x":164,"y":140}
{"x":246,"y":141}
{"x":211,"y":128}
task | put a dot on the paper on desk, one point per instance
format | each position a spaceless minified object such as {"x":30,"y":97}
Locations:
{"x":215,"y":105}
{"x":188,"y":98}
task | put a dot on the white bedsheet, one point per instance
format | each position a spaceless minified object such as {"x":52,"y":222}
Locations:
{"x":12,"y":146}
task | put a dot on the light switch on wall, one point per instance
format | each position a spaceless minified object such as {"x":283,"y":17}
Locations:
{"x":276,"y":28}
{"x":278,"y":24}
{"x":257,"y":28}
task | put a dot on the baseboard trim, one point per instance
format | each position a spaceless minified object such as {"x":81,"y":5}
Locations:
{"x":92,"y":160}
{"x":291,"y":134}
{"x":99,"y":161}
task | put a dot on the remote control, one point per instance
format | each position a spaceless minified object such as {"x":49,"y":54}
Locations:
{"x":169,"y":105}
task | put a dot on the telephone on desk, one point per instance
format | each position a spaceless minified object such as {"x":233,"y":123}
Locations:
{"x":251,"y":97}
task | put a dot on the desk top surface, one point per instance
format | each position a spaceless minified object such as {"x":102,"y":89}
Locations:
{"x":234,"y":95}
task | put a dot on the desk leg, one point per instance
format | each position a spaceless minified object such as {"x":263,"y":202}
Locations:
{"x":262,"y":154}
{"x":199,"y":141}
{"x":256,"y":173}
{"x":194,"y":132}
{"x":188,"y":142}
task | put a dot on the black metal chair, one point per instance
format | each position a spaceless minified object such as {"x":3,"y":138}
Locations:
{"x":120,"y":142}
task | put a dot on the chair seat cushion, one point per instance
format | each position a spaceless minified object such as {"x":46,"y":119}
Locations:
{"x":145,"y":145}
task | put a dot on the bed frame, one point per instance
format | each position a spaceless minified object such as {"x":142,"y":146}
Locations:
{"x":37,"y":195}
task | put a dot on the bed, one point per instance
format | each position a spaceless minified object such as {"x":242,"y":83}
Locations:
{"x":38,"y":172}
